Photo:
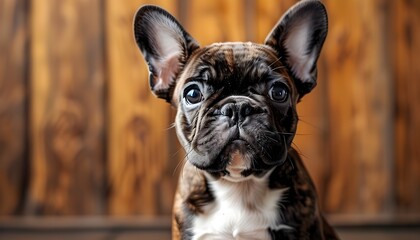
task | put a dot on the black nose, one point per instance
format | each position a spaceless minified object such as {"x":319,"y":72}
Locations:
{"x":237,"y":112}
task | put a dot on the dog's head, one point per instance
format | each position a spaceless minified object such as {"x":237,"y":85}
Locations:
{"x":236,"y":101}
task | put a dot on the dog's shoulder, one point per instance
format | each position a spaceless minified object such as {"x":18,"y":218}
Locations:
{"x":192,"y":196}
{"x":193,"y":189}
{"x":300,"y":208}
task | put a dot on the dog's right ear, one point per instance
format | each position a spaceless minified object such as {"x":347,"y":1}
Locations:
{"x":165,"y":45}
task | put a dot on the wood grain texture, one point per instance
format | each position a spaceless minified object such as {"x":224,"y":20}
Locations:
{"x":13,"y":116}
{"x":80,"y":132}
{"x":140,"y":168}
{"x":67,"y":108}
{"x":267,"y":14}
{"x":216,"y":21}
{"x":406,"y":63}
{"x":360,"y":108}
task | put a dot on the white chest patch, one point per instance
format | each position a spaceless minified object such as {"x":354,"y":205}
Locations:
{"x":242,"y":210}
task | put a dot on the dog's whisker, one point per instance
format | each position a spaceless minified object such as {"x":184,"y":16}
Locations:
{"x":181,"y":166}
{"x":274,"y":62}
{"x":184,"y":161}
{"x":171,"y":126}
{"x":263,"y":150}
{"x":300,"y":151}
{"x":277,"y":132}
{"x":304,"y":134}
{"x":271,"y":138}
{"x":289,"y":133}
{"x":308,"y":123}
{"x":178,"y":165}
{"x":279,"y":67}
{"x":180,"y":162}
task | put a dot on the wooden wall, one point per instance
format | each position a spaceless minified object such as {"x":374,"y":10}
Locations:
{"x":80,"y":134}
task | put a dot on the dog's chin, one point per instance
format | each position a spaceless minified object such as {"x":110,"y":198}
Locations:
{"x":236,"y":163}
{"x":238,"y":168}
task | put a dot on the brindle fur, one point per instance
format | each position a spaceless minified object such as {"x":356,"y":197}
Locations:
{"x":229,"y":70}
{"x":300,"y":209}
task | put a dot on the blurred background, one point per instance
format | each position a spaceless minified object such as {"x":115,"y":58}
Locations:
{"x":87,"y":152}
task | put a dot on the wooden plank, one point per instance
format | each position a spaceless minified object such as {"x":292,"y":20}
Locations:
{"x":13,"y":80}
{"x":85,"y":228}
{"x":216,"y":21}
{"x":406,"y":42}
{"x":91,"y":228}
{"x":268,"y":14}
{"x":67,"y":108}
{"x":86,"y":223}
{"x":360,"y":108}
{"x":140,"y":166}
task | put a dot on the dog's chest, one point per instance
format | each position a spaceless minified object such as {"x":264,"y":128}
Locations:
{"x":241,"y":211}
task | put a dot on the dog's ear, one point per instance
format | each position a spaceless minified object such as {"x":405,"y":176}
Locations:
{"x":298,"y":38}
{"x":165,"y":45}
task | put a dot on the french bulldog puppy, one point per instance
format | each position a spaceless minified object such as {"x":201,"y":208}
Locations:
{"x":236,"y":119}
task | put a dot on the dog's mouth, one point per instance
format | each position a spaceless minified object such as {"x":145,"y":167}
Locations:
{"x":236,"y":162}
{"x":241,"y":157}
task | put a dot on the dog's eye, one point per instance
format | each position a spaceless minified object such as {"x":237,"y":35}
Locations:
{"x":279,"y":92}
{"x":193,"y":95}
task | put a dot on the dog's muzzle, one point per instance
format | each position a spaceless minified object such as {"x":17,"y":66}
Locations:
{"x":242,"y":140}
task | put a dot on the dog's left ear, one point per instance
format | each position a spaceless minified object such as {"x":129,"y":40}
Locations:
{"x":298,"y":38}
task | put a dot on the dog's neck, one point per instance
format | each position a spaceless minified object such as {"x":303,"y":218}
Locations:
{"x":240,"y":209}
{"x":251,"y":192}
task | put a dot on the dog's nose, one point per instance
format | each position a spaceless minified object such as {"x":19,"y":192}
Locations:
{"x":237,"y":112}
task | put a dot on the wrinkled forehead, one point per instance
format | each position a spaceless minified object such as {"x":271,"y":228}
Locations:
{"x":233,"y":66}
{"x":231,"y":63}
{"x":235,"y":53}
